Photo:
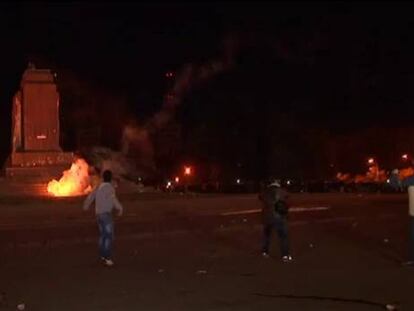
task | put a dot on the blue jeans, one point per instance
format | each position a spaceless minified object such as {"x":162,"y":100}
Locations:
{"x":280,"y":226}
{"x":106,"y":234}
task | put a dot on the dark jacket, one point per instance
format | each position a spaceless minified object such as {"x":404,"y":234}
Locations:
{"x":269,"y":196}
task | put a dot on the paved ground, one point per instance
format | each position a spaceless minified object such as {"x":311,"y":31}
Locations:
{"x":178,"y":252}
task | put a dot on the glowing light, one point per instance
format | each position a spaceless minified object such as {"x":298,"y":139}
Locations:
{"x":238,"y":181}
{"x":177,"y":179}
{"x":75,"y":181}
{"x":371,"y":161}
{"x":169,"y":184}
{"x":404,"y":156}
{"x":288,"y":182}
{"x":388,"y":181}
{"x":187,"y":170}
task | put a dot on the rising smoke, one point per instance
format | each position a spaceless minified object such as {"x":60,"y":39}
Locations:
{"x":185,"y":80}
{"x":136,"y":139}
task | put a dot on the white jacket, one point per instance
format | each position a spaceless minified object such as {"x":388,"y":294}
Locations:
{"x":105,"y":199}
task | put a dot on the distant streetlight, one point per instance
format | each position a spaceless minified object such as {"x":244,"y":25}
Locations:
{"x":187,"y":173}
{"x":374,"y":167}
{"x":187,"y":170}
{"x":177,"y":179}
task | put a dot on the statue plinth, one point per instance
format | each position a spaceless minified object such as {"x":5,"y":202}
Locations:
{"x":36,"y":152}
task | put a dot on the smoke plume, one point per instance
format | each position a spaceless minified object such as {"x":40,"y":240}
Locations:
{"x":189,"y":76}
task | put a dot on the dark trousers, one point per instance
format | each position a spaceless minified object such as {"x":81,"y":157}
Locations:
{"x":411,"y":241}
{"x":280,"y":226}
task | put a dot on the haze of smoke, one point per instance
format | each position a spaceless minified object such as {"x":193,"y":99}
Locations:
{"x":189,"y":76}
{"x":103,"y":158}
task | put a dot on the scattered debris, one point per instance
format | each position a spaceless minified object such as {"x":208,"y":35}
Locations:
{"x":391,"y":307}
{"x":388,"y":306}
{"x":201,"y":272}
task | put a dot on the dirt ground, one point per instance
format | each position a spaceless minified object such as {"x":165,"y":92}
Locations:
{"x":201,"y":252}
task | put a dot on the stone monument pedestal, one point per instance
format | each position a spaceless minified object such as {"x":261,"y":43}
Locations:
{"x":36,"y":153}
{"x":38,"y":166}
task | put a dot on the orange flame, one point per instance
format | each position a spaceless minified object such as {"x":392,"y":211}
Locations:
{"x":374,"y":174}
{"x":75,"y":181}
{"x":344,"y":177}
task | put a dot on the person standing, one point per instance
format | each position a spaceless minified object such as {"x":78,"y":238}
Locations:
{"x":399,"y":185}
{"x":105,"y":201}
{"x":395,"y":181}
{"x":274,"y":216}
{"x":411,"y":215}
{"x":409,"y":183}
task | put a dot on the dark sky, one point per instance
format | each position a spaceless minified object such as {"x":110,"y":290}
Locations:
{"x":338,"y":66}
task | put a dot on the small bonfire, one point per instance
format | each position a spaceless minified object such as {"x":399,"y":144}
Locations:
{"x":74,"y":182}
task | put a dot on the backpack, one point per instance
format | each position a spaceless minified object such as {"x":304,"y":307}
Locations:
{"x":281,"y":208}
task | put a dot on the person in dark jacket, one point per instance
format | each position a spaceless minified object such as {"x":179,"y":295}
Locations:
{"x":274,"y":214}
{"x":395,"y":181}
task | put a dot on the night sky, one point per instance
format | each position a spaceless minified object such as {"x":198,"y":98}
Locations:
{"x":342,"y":68}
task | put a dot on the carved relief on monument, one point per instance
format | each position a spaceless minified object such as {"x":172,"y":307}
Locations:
{"x":17,"y":123}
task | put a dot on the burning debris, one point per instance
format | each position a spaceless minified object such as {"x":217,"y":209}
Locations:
{"x":405,"y":172}
{"x":136,"y":143}
{"x":75,"y":181}
{"x":82,"y":177}
{"x":374,"y":174}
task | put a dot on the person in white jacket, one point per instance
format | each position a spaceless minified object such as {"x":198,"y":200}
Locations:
{"x":409,"y":184}
{"x":105,"y":201}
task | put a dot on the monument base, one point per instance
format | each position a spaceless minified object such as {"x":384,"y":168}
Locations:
{"x":38,"y":166}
